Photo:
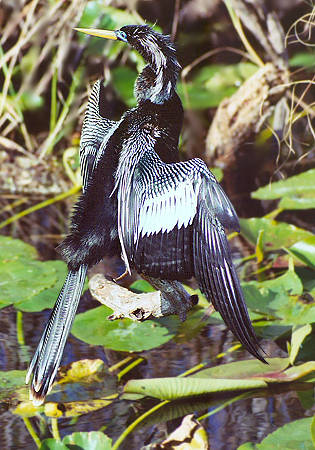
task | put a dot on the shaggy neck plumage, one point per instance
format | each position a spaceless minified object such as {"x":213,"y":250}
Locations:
{"x":157,"y":81}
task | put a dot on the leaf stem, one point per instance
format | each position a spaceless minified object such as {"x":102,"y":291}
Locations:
{"x":129,"y":367}
{"x":19,"y":328}
{"x":40,"y":205}
{"x":119,"y":364}
{"x":133,"y":425}
{"x":31,"y":431}
{"x":55,"y":429}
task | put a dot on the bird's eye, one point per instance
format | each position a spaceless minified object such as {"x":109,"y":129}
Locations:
{"x":121,"y":35}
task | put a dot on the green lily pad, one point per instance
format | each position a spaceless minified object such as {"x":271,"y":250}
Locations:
{"x":294,"y":435}
{"x":245,"y":369}
{"x":93,"y":440}
{"x":297,"y":192}
{"x":276,"y":234}
{"x":280,"y":300}
{"x":21,"y":280}
{"x":94,"y":328}
{"x":304,"y":250}
{"x":13,"y":249}
{"x":47,"y":297}
{"x":298,"y":335}
{"x":174,"y":388}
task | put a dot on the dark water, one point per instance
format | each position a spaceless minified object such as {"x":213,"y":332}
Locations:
{"x":246,"y":420}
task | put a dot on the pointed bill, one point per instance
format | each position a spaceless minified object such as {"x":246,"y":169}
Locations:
{"x":106,"y":34}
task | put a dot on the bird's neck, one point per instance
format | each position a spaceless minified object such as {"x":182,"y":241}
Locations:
{"x":157,"y":81}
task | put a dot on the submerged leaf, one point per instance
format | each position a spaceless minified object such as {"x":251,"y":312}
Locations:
{"x":10,"y":381}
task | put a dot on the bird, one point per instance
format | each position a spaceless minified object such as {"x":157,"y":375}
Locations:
{"x":166,"y":218}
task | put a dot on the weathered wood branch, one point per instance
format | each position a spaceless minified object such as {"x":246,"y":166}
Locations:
{"x":170,"y":298}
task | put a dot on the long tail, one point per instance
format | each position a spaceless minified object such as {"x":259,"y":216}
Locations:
{"x":46,"y":360}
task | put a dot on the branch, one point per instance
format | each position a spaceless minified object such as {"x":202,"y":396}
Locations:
{"x":170,"y":298}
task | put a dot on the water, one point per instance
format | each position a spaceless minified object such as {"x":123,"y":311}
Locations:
{"x":246,"y":420}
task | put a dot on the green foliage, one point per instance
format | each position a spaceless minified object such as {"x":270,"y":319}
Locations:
{"x":211,"y":84}
{"x":27,"y":284}
{"x":94,"y":328}
{"x":93,"y":440}
{"x":276,"y":234}
{"x":10,"y":381}
{"x":294,"y":435}
{"x":296,"y":192}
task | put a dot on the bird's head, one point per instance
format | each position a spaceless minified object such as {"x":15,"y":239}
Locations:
{"x":157,"y":81}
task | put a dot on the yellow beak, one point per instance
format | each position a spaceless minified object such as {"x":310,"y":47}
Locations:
{"x":107,"y":34}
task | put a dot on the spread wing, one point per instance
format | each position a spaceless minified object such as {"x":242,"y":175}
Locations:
{"x":172,"y":221}
{"x":96,"y":131}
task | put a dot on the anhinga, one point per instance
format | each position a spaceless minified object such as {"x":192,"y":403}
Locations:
{"x":165,"y":217}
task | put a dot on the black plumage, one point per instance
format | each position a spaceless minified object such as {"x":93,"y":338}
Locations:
{"x":167,"y":218}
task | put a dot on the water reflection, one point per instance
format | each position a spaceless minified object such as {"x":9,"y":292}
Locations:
{"x":246,"y":420}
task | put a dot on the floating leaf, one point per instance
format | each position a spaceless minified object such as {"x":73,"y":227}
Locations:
{"x":303,"y":59}
{"x":94,"y":328}
{"x":297,"y":186}
{"x":304,"y":250}
{"x":82,"y":371}
{"x":94,"y":440}
{"x":294,"y":435}
{"x":53,"y":444}
{"x":279,"y":299}
{"x":47,"y":297}
{"x":21,"y":280}
{"x":276,"y":234}
{"x":245,"y":369}
{"x":296,"y":372}
{"x":13,"y":249}
{"x":76,"y":409}
{"x":298,"y":335}
{"x":174,"y":388}
{"x":27,"y":409}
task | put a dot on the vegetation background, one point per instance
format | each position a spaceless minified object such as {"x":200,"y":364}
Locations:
{"x":247,"y":86}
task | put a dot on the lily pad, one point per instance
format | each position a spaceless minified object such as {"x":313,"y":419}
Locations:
{"x":294,"y":435}
{"x":94,"y":328}
{"x":245,"y":369}
{"x":13,"y":249}
{"x":304,"y":250}
{"x":47,"y":297}
{"x":21,"y":280}
{"x":93,"y":440}
{"x":174,"y":388}
{"x":276,"y":234}
{"x":296,"y":192}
